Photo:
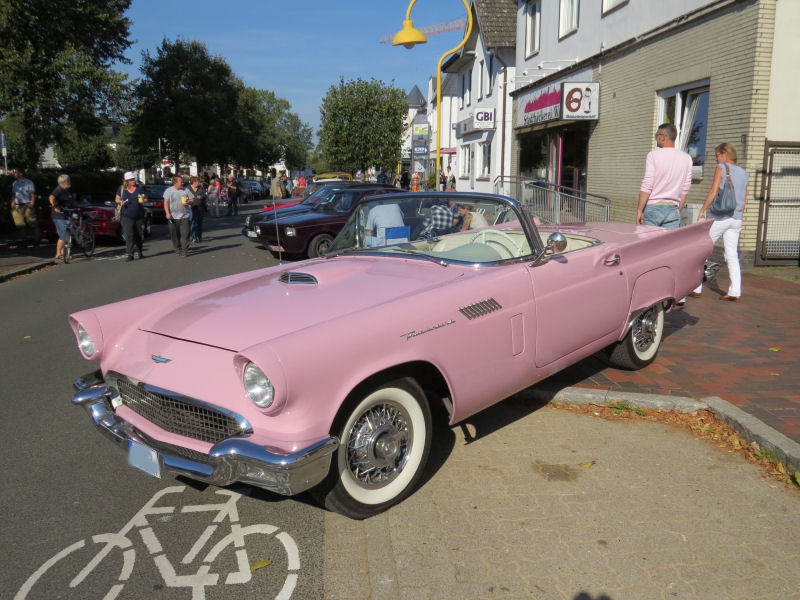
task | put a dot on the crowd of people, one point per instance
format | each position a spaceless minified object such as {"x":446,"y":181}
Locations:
{"x":662,"y":196}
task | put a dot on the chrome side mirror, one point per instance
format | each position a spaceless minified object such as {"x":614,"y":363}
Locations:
{"x":556,"y":242}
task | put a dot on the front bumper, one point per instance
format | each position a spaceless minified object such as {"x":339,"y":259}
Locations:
{"x":231,"y":460}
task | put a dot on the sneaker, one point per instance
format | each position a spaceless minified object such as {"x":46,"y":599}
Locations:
{"x":129,"y":258}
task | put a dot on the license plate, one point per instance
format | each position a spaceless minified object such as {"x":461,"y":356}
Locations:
{"x":144,"y":459}
{"x":276,"y":248}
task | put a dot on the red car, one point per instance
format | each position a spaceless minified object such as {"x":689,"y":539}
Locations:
{"x":101,"y":214}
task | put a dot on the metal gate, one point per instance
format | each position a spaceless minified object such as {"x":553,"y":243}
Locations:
{"x":778,"y":238}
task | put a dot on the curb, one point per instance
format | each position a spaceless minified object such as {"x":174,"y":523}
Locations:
{"x":750,"y":428}
{"x":22,"y":270}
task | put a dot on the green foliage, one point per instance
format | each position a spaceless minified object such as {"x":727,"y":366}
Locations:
{"x":76,"y":152}
{"x":195,"y":104}
{"x":127,"y":156}
{"x":55,"y":62}
{"x":187,"y":98}
{"x":361,"y":125}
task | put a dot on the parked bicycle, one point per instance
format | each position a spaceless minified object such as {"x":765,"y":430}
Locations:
{"x":80,"y":234}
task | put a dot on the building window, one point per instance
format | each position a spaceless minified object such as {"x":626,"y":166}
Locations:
{"x":466,"y":83}
{"x":490,"y":75}
{"x":687,"y":108}
{"x":485,"y":166}
{"x":464,"y":161}
{"x":568,"y":17}
{"x":609,"y":5}
{"x":532,"y":18}
{"x":481,"y":78}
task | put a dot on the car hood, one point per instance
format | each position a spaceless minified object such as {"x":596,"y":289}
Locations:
{"x":278,"y":301}
{"x":282,"y":212}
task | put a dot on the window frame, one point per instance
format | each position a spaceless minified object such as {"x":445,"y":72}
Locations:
{"x":568,"y":17}
{"x":533,"y":20}
{"x":464,"y":160}
{"x":485,"y":166}
{"x":610,"y":6}
{"x":677,"y":100}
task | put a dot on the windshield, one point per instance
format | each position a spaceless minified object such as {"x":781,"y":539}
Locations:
{"x":448,"y":227}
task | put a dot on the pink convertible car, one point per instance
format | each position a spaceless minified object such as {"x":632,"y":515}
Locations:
{"x":409,"y":315}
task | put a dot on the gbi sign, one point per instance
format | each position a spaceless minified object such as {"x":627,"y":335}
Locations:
{"x":483,"y":119}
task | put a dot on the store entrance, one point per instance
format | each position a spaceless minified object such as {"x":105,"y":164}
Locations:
{"x":557,"y":155}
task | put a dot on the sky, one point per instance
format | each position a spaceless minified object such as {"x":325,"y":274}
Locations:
{"x":299,"y":49}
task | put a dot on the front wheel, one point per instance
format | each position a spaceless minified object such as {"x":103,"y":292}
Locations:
{"x":68,"y":246}
{"x":319,"y":245}
{"x":385,"y":440}
{"x":640,"y":346}
{"x":86,"y":239}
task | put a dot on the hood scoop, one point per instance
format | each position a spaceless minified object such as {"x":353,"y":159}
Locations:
{"x":296,"y":278}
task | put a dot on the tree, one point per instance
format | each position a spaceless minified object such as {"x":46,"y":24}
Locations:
{"x":195,"y":104}
{"x":361,"y":124}
{"x":55,"y":60}
{"x":187,"y":98}
{"x":78,"y":152}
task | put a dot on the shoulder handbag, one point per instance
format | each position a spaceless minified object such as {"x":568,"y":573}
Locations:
{"x":118,"y":208}
{"x":724,"y":204}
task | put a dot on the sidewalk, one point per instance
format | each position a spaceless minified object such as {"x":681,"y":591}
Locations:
{"x":18,"y":258}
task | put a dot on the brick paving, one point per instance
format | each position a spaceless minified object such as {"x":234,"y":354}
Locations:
{"x":747,"y":353}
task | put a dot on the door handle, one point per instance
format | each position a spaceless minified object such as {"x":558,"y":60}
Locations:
{"x":613,"y":261}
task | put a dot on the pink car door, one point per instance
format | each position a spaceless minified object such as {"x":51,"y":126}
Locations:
{"x":579,"y":297}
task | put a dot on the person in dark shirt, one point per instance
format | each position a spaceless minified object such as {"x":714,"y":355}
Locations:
{"x":61,"y":202}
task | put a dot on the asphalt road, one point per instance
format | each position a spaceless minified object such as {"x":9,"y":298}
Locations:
{"x":64,"y":483}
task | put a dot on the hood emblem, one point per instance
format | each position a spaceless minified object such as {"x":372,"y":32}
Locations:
{"x":160,"y":359}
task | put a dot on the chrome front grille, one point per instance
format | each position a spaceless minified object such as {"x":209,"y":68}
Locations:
{"x":181,"y":415}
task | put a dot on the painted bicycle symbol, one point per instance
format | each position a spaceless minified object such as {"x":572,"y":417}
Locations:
{"x":86,"y":581}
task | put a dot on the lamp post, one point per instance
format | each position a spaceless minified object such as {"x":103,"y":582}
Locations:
{"x":409,"y":37}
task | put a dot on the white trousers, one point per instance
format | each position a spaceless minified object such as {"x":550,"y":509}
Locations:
{"x":729,"y":229}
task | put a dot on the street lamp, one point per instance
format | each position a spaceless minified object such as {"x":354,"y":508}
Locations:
{"x":409,"y":36}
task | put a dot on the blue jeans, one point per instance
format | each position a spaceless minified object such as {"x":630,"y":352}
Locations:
{"x":662,"y":215}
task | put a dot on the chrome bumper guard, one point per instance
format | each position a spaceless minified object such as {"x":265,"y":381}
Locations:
{"x":232,"y":460}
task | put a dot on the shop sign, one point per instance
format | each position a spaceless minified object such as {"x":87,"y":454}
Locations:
{"x":483,"y":119}
{"x":581,"y":101}
{"x":539,"y":105}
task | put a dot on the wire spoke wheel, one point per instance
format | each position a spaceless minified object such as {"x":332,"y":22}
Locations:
{"x":86,"y":238}
{"x":384,"y":445}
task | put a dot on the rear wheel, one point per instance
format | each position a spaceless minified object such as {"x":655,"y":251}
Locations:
{"x":385,"y":440}
{"x":319,"y":245}
{"x":640,"y":346}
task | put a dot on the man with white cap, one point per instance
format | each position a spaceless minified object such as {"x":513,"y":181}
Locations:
{"x":132,"y":199}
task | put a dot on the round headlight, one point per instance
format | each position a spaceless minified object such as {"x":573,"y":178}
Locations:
{"x":290,"y":232}
{"x":257,"y":386}
{"x":85,"y":342}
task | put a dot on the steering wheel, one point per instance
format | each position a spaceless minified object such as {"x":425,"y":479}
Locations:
{"x":483,"y":233}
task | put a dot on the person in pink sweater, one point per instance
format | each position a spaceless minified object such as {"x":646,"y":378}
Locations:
{"x":666,"y":182}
